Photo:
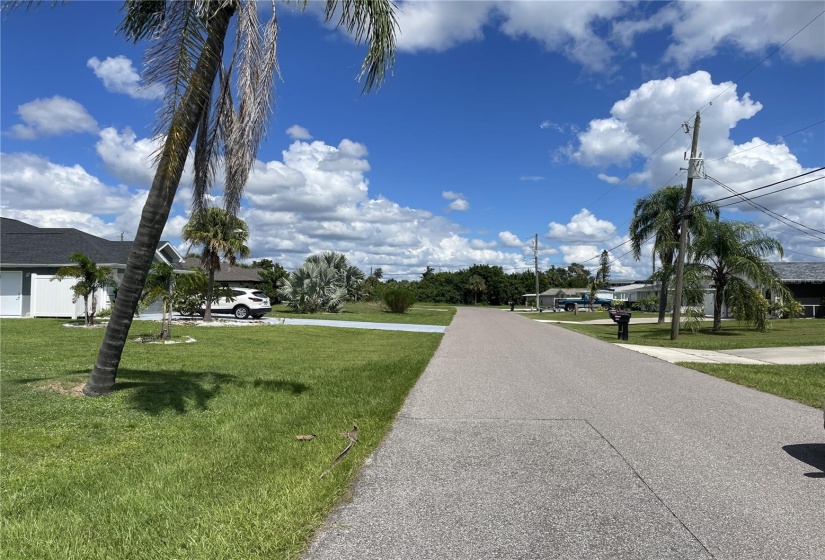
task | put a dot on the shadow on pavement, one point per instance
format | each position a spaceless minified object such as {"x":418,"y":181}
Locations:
{"x":811,"y":453}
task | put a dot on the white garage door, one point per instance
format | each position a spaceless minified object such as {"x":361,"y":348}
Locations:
{"x":11,"y":293}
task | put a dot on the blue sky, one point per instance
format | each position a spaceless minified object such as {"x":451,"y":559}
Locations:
{"x":501,"y":120}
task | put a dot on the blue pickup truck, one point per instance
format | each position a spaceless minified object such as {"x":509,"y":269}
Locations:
{"x":584,"y":301}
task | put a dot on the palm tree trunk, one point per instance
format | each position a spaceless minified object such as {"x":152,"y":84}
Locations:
{"x":662,"y":302}
{"x":718,"y":300}
{"x":157,"y":207}
{"x":210,"y":290}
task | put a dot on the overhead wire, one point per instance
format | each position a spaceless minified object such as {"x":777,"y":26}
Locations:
{"x":769,"y":212}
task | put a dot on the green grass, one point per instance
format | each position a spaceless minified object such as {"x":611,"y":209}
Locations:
{"x":194,"y":455}
{"x":803,"y":383}
{"x":419,"y":314}
{"x":583,"y":316}
{"x":801,"y":332}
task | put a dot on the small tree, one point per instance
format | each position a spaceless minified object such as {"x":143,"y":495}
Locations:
{"x":604,"y":269}
{"x":92,"y":278}
{"x":160,"y":285}
{"x":398,"y":300}
{"x":732,"y":256}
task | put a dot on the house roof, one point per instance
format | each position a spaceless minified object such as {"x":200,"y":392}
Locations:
{"x":22,"y":244}
{"x":227,"y":273}
{"x":800,"y":272}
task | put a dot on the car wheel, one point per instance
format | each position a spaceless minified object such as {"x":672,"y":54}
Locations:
{"x":241,"y":312}
{"x":605,"y":306}
{"x":568,"y":307}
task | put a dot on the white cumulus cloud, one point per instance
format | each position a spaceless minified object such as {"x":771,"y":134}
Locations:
{"x":119,"y":75}
{"x":297,"y":132}
{"x":51,"y":117}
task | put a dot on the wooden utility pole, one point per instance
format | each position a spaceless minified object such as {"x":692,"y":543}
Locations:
{"x":536,"y":259}
{"x":683,"y":233}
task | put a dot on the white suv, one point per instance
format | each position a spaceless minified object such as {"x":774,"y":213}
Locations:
{"x":244,"y":303}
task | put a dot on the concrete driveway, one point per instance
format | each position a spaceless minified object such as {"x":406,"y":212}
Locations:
{"x":523,"y":441}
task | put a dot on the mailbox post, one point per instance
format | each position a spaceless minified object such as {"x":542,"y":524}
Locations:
{"x":622,"y":318}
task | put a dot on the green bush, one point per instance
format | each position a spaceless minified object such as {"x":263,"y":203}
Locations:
{"x":398,"y":300}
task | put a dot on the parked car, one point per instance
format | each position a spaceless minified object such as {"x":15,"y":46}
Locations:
{"x":244,"y":303}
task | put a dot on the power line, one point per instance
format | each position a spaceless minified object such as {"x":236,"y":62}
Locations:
{"x":774,"y":192}
{"x":769,"y":212}
{"x":804,"y":254}
{"x":770,"y":185}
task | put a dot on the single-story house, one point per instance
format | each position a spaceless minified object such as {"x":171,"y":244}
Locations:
{"x":30,"y":256}
{"x":548,"y":297}
{"x":230,"y":277}
{"x":806,"y":280}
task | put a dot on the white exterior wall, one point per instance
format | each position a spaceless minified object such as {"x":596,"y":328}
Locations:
{"x":53,"y":298}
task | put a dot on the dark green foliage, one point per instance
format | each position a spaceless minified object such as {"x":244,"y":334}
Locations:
{"x":91,"y":279}
{"x":398,"y":300}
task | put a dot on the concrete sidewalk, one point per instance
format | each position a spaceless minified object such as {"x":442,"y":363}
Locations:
{"x":523,"y":441}
{"x":793,"y":355}
{"x":310,"y":323}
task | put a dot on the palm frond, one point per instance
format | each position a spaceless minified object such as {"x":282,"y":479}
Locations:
{"x":257,"y":66}
{"x":372,"y":21}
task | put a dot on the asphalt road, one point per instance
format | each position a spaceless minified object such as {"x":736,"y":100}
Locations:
{"x":524,"y":440}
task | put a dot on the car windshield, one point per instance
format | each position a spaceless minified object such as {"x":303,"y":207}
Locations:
{"x":259,"y":294}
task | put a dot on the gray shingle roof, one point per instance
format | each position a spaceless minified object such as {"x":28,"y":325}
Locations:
{"x":24,"y":244}
{"x":800,"y":272}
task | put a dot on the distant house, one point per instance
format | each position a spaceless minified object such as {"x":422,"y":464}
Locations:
{"x":807,"y":282}
{"x":235,"y":276}
{"x":30,"y":256}
{"x":548,"y":297}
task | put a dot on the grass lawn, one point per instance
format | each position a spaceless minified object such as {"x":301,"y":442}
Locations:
{"x":803,"y":383}
{"x":419,"y":314}
{"x":194,"y":455}
{"x":801,"y":332}
{"x":584,"y":315}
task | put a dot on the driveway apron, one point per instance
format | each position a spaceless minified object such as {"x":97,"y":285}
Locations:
{"x":525,"y":440}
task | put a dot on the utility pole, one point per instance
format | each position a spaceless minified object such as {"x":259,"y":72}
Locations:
{"x":683,"y":232}
{"x":536,"y":259}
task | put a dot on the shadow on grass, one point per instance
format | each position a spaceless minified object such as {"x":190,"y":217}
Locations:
{"x":180,"y":391}
{"x":810,"y":453}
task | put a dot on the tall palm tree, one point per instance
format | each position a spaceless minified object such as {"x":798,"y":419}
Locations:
{"x":730,"y":254}
{"x":186,"y":56}
{"x":659,"y":215}
{"x":223,"y":238}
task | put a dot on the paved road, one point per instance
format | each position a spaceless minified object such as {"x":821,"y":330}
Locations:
{"x":312,"y":323}
{"x":524,"y":440}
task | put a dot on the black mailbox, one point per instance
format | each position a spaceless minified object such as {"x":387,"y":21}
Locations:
{"x":622,"y":318}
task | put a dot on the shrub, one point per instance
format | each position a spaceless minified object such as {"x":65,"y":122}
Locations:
{"x":398,"y":300}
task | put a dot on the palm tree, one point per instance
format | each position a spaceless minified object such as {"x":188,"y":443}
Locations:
{"x":186,"y":57}
{"x":730,"y":254}
{"x":92,"y":278}
{"x":160,"y":285}
{"x":351,"y":278}
{"x":659,"y":215}
{"x":223,"y":237}
{"x":476,"y":285}
{"x":314,"y":287}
